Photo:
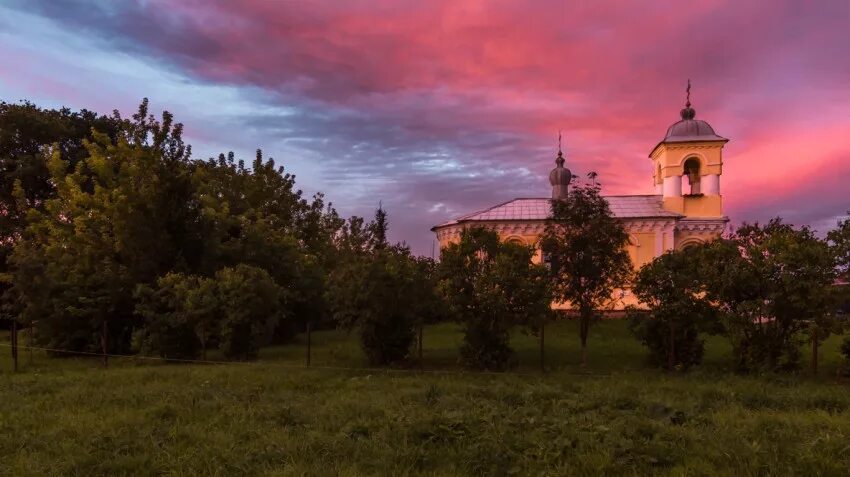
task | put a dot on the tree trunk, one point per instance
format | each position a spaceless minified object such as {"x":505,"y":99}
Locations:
{"x":203,"y":344}
{"x":308,"y":343}
{"x":103,"y":343}
{"x":815,"y":351}
{"x":542,"y":349}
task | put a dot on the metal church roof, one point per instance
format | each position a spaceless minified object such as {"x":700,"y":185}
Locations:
{"x":623,"y":206}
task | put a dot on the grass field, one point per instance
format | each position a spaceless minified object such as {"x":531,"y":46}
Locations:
{"x":273,"y":417}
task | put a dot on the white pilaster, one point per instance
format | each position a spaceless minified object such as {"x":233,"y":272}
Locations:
{"x":711,"y":184}
{"x":672,"y":186}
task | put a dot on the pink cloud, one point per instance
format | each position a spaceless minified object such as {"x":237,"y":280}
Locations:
{"x":381,"y":88}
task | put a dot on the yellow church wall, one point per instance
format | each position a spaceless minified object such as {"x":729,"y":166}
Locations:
{"x":703,"y":206}
{"x":672,"y":158}
{"x":695,"y":206}
{"x":641,"y":248}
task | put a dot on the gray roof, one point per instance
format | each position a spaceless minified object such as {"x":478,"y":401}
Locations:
{"x":691,"y":130}
{"x":623,"y":206}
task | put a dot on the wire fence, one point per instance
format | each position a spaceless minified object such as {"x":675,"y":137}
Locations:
{"x":414,"y":369}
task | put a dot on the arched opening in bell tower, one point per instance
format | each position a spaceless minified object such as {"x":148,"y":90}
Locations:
{"x":692,"y":173}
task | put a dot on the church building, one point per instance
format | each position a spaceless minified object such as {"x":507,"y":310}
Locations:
{"x":685,"y":207}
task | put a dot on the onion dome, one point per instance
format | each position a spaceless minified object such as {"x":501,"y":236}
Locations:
{"x":689,"y":129}
{"x":560,"y":178}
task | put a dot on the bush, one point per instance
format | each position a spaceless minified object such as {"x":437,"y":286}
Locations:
{"x":383,"y":295}
{"x":670,"y":285}
{"x":491,"y":287}
{"x":168,"y":327}
{"x":485,"y":347}
{"x":654,"y":333}
{"x":250,"y":309}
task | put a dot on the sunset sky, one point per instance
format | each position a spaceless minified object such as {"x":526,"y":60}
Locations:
{"x":438,"y":108}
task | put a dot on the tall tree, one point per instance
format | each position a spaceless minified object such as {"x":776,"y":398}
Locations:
{"x":381,"y":290}
{"x":771,"y":284}
{"x":256,"y":215}
{"x":491,"y":287}
{"x":586,"y":248}
{"x":671,"y":287}
{"x":379,"y":229}
{"x":120,"y":217}
{"x":25,"y":131}
{"x":839,"y":243}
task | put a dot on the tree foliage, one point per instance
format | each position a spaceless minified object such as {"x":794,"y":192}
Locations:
{"x":839,"y":242}
{"x":121,"y":208}
{"x":491,"y":287}
{"x":119,"y":217}
{"x":382,"y":291}
{"x":585,"y":246}
{"x":771,"y":285}
{"x":237,"y":308}
{"x":678,"y":312}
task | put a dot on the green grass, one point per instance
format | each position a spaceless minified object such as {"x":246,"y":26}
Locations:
{"x":273,"y":417}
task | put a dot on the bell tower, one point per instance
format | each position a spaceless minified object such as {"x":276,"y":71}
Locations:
{"x":687,"y":165}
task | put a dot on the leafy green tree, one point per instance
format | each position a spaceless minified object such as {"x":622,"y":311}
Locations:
{"x":586,"y":248}
{"x":170,"y":323}
{"x":671,"y":287}
{"x":382,"y":291}
{"x":839,"y":242}
{"x":379,"y":229}
{"x":122,"y":216}
{"x":491,"y":287}
{"x":771,"y":285}
{"x":257,"y":216}
{"x":25,"y":131}
{"x":250,"y":306}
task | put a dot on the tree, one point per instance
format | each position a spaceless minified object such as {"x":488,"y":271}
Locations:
{"x":771,"y":285}
{"x":839,"y":243}
{"x":122,"y":216}
{"x":670,"y":286}
{"x":25,"y":131}
{"x":170,"y":322}
{"x":586,"y":248}
{"x":250,"y":308}
{"x":490,"y":287}
{"x":379,"y":229}
{"x":257,"y":216}
{"x":382,"y":291}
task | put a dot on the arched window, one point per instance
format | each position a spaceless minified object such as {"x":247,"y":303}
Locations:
{"x":689,"y":243}
{"x":693,"y":174}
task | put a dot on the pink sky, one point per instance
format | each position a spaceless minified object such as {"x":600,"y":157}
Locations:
{"x":441,"y":107}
